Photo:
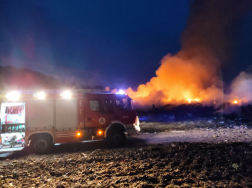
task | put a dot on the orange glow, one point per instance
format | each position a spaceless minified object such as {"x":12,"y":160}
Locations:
{"x":193,"y":100}
{"x":191,"y":76}
{"x":181,"y":80}
{"x":193,"y":79}
{"x":78,"y":134}
{"x":238,"y":101}
{"x":100,"y":132}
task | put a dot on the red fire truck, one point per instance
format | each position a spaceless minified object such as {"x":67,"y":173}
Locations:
{"x":54,"y":117}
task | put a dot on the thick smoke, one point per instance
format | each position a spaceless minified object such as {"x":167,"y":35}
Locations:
{"x":241,"y":89}
{"x":193,"y":74}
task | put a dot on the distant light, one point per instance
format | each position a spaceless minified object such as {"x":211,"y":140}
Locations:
{"x":100,"y":132}
{"x":41,"y":95}
{"x":14,"y":96}
{"x":235,"y":102}
{"x":66,"y":94}
{"x":121,"y":92}
{"x":78,"y":134}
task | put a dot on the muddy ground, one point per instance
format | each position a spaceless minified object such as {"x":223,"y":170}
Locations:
{"x":151,"y":160}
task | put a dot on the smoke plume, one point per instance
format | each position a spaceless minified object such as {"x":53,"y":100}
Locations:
{"x":193,"y":74}
{"x":241,"y":89}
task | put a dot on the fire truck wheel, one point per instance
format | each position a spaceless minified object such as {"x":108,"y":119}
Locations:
{"x":116,"y":137}
{"x":41,"y":145}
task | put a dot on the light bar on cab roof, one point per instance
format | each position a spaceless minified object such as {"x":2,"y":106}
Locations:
{"x":41,"y":95}
{"x":66,"y":94}
{"x":13,"y":95}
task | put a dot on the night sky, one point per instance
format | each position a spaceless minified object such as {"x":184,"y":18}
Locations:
{"x":112,"y":43}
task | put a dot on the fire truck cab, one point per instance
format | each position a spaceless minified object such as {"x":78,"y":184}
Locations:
{"x":54,"y":117}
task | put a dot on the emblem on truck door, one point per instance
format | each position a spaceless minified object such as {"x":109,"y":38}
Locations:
{"x":102,"y":120}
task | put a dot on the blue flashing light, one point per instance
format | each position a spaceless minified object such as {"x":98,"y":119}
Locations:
{"x":121,"y":92}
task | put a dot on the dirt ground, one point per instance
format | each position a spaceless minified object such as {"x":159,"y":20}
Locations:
{"x":209,"y":135}
{"x":195,"y":158}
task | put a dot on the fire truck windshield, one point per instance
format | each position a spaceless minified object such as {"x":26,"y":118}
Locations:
{"x":124,"y":102}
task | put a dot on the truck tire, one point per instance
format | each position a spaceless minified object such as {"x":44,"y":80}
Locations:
{"x":116,"y":137}
{"x":41,"y":145}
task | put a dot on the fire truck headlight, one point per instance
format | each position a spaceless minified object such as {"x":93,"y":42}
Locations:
{"x":14,"y":96}
{"x":66,"y":94}
{"x":41,"y":95}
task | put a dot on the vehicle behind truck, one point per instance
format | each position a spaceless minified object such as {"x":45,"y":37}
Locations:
{"x":54,"y":117}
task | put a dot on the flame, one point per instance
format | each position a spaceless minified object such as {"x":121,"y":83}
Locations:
{"x":193,"y":74}
{"x":183,"y":81}
{"x":193,"y":100}
{"x":179,"y":81}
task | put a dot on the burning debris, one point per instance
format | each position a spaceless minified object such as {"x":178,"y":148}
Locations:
{"x":193,"y":74}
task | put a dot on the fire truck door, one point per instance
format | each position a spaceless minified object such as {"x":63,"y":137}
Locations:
{"x":95,"y":115}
